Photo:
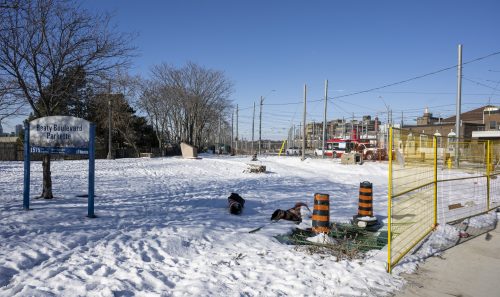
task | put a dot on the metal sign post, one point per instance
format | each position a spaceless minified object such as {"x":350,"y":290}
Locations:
{"x":26,"y":193}
{"x":91,"y":172}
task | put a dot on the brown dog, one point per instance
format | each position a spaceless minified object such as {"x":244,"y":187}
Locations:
{"x":292,"y":214}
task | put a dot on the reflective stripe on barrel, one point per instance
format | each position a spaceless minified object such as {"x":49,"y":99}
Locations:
{"x":321,"y":213}
{"x":365,"y":205}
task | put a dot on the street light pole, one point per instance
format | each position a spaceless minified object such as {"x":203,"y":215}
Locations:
{"x":232,"y":133}
{"x":388,"y":123}
{"x":260,"y":119}
{"x":304,"y":127}
{"x":237,"y":136}
{"x":109,"y":128}
{"x":260,"y":123}
{"x":253,"y":127}
{"x":323,"y":142}
{"x":459,"y":104}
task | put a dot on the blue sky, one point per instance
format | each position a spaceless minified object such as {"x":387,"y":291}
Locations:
{"x":356,"y":45}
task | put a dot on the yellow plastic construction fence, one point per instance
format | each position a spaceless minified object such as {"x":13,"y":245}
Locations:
{"x":435,"y":179}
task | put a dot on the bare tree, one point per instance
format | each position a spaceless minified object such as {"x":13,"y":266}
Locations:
{"x":125,"y":89}
{"x":188,"y":101}
{"x":10,"y":104}
{"x":43,"y":42}
{"x":154,"y":101}
{"x":9,"y":4}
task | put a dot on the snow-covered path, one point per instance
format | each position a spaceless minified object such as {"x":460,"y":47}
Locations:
{"x":163,"y":229}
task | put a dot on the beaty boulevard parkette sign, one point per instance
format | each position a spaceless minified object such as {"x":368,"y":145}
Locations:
{"x":59,"y":135}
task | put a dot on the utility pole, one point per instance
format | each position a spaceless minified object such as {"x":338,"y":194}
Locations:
{"x":459,"y":102}
{"x":304,"y":128}
{"x":343,"y":128}
{"x":219,"y":139}
{"x":253,"y":126}
{"x":352,"y":127}
{"x":232,"y":131}
{"x":110,"y":130}
{"x":260,"y":123}
{"x":323,"y":142}
{"x":362,"y":135}
{"x":313,"y":138}
{"x":237,"y":135}
{"x":388,"y":123}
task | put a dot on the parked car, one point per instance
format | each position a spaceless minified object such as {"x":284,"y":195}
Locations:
{"x":293,"y":151}
{"x":318,"y":151}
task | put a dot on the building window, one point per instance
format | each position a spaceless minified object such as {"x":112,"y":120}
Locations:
{"x":423,"y":141}
{"x":493,"y":125}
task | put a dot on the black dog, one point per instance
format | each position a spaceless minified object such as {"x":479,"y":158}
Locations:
{"x":236,"y":203}
{"x":292,"y":214}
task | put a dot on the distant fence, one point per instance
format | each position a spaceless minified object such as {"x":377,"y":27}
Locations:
{"x":434,"y":179}
{"x":10,"y":152}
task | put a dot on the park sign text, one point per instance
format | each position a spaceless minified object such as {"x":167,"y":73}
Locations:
{"x":59,"y":135}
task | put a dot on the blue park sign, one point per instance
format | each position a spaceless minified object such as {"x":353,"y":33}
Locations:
{"x":60,"y":135}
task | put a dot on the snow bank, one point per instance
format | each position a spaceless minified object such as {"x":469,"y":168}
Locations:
{"x":163,"y":229}
{"x":444,"y":237}
{"x":484,"y":221}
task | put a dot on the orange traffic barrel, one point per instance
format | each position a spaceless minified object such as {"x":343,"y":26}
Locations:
{"x":321,"y":213}
{"x":365,"y":205}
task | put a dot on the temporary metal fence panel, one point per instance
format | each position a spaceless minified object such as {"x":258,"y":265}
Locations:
{"x":462,"y":177}
{"x":436,"y":179}
{"x":411,"y":191}
{"x":461,"y":198}
{"x":494,"y":191}
{"x":494,"y":174}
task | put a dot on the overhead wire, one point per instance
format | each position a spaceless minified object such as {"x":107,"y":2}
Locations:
{"x":280,"y":104}
{"x":353,"y":104}
{"x":418,"y":77}
{"x":297,"y":103}
{"x":431,"y":93}
{"x":396,"y":83}
{"x":480,"y":84}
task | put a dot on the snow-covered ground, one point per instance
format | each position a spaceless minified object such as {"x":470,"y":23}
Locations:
{"x":163,"y":229}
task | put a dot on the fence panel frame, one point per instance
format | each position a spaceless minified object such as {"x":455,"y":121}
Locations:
{"x":475,"y":158}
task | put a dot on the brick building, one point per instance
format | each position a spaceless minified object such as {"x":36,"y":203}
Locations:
{"x":366,"y":128}
{"x":480,"y":123}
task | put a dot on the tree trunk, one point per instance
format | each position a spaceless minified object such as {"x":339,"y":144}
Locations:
{"x":136,"y":150}
{"x":47,"y":180}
